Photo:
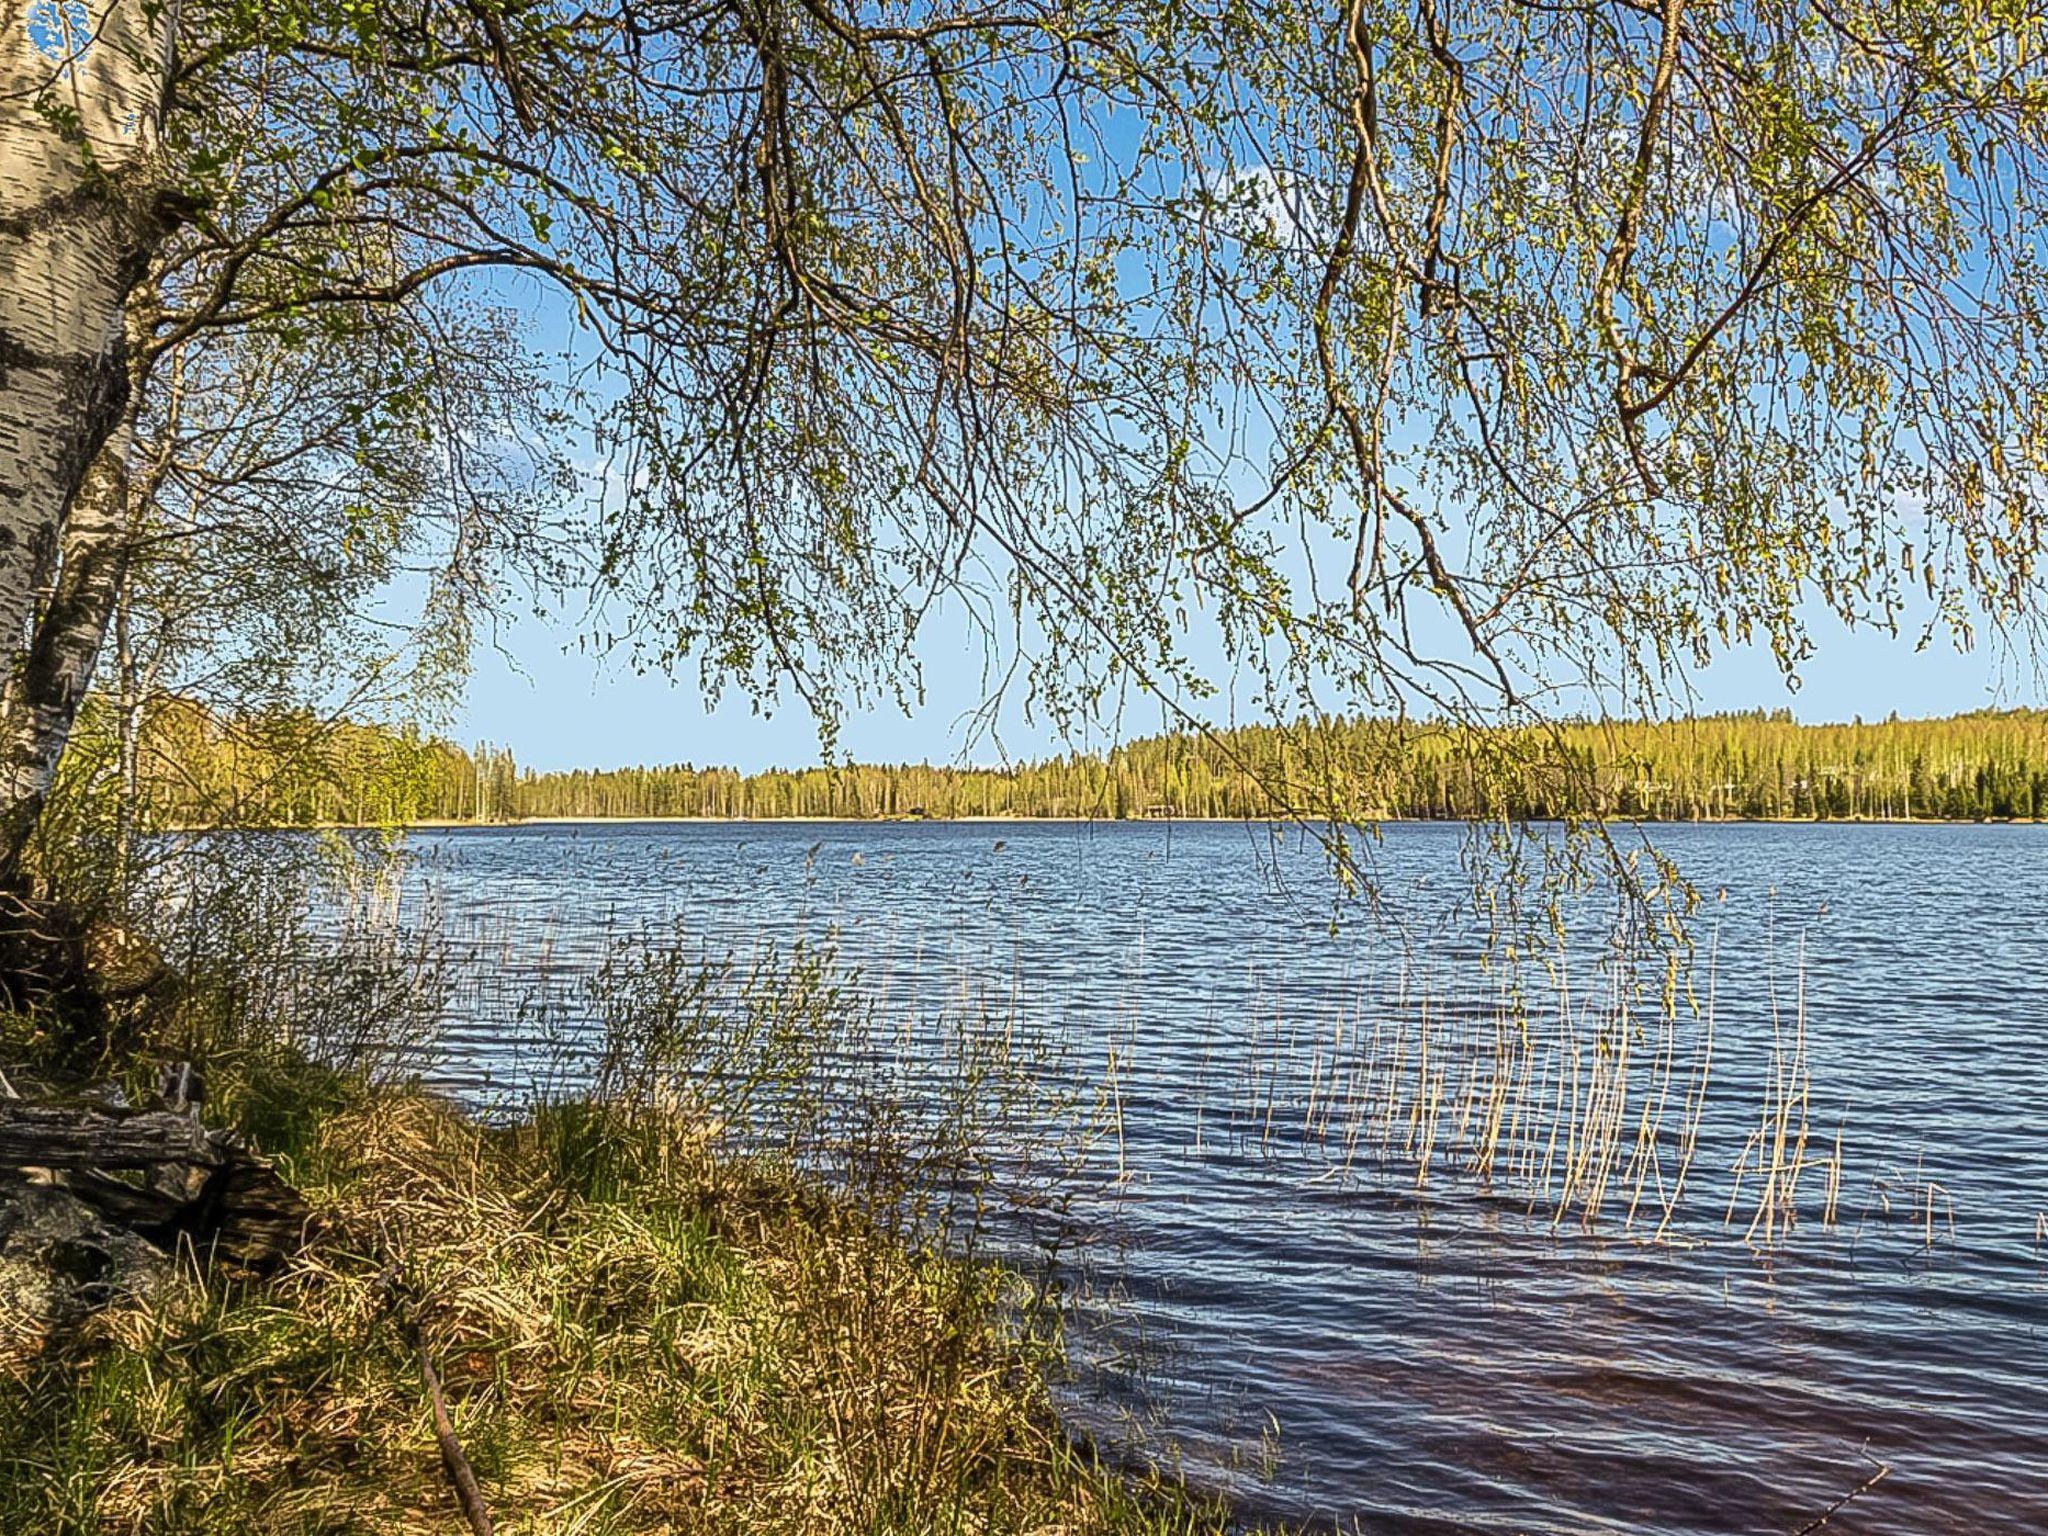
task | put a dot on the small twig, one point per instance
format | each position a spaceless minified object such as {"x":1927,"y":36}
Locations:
{"x":460,"y":1473}
{"x":1870,"y":1482}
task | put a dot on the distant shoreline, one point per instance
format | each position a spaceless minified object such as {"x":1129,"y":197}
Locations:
{"x":1741,"y":768}
{"x":441,"y":825}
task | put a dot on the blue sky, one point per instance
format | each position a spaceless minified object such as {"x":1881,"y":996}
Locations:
{"x":557,"y":705}
{"x":558,"y":708}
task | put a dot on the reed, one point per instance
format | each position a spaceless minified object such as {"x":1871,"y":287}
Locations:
{"x":1601,"y":1096}
{"x":1774,"y":1153}
{"x":1590,"y":1103}
{"x":1910,"y":1198}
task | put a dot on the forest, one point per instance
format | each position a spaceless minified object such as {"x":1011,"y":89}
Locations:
{"x":200,"y":769}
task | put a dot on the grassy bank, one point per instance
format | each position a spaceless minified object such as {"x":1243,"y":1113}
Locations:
{"x":637,"y":1333}
{"x":698,"y":1287}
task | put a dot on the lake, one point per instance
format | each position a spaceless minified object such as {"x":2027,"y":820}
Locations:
{"x":1385,"y":1239}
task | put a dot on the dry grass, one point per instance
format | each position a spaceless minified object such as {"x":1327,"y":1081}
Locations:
{"x":637,"y":1334}
{"x":1588,"y":1106}
{"x":647,"y":1316}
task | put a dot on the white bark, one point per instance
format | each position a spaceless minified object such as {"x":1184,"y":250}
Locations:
{"x":128,"y":700}
{"x":81,"y":213}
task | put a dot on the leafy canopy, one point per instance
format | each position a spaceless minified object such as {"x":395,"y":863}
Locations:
{"x":1461,"y":357}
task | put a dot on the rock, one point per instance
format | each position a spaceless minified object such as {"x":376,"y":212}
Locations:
{"x":120,"y":963}
{"x":59,"y":1259}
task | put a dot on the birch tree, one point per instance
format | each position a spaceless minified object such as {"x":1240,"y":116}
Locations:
{"x":83,"y":209}
{"x":645,"y":167}
{"x":279,"y":491}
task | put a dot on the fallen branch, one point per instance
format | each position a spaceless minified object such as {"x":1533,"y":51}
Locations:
{"x":159,"y":1172}
{"x":460,"y":1473}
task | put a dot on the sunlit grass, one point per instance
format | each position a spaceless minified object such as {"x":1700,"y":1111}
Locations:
{"x":720,"y":1275}
{"x":637,"y":1334}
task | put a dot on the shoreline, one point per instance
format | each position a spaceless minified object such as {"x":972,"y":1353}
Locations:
{"x":439,"y":824}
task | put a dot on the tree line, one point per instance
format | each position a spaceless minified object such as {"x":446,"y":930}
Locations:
{"x":200,"y":768}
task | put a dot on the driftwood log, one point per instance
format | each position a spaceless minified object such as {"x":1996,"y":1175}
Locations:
{"x":159,"y":1172}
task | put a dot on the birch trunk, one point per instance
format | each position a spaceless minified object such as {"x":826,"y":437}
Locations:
{"x":65,"y":647}
{"x":83,"y":209}
{"x":129,"y":702}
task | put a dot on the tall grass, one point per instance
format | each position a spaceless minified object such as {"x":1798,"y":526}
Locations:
{"x":1606,"y":1105}
{"x":723,"y":1275}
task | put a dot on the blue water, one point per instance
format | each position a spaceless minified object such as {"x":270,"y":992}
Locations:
{"x":1276,"y":1305}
